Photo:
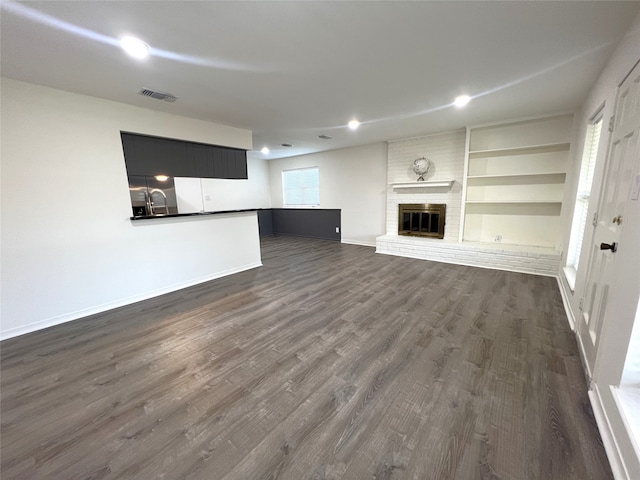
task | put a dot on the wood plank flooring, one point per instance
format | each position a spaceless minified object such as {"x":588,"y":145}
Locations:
{"x":329,"y":362}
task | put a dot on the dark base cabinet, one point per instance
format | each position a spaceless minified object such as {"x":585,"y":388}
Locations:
{"x":265,"y":223}
{"x":301,"y":222}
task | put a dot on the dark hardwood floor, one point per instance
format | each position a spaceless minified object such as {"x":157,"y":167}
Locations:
{"x":329,"y":362}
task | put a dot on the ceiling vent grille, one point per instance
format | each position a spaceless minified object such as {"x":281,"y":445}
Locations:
{"x":167,"y":97}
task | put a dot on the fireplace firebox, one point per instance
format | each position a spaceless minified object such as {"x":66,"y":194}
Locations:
{"x":421,"y":219}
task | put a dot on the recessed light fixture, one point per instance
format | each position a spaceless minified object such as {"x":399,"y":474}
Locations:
{"x":161,"y":178}
{"x":461,"y":101}
{"x":286,"y":145}
{"x":134,"y":47}
{"x":265,"y":150}
{"x":325,"y":137}
{"x":354,"y":124}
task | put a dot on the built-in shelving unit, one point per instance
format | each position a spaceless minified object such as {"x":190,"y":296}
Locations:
{"x":514,"y":183}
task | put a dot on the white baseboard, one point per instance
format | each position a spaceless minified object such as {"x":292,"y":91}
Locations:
{"x":567,"y":304}
{"x":607,"y":434}
{"x":68,"y":317}
{"x":583,"y":358}
{"x":571,"y":319}
{"x":358,"y":242}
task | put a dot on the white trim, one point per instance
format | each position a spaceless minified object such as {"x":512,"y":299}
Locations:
{"x":570,"y":275}
{"x":630,"y":398}
{"x":68,"y":317}
{"x":567,"y":305}
{"x":358,"y":242}
{"x":583,"y":357}
{"x":573,"y":325}
{"x":606,"y":433}
{"x":465,"y":181}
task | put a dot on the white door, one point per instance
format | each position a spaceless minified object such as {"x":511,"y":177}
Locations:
{"x":621,"y":168}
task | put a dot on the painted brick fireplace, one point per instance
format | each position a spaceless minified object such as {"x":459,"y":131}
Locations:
{"x":446,"y":152}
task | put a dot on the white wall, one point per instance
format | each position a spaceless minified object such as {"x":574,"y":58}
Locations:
{"x":446,"y":152}
{"x":219,"y":194}
{"x":616,"y":329}
{"x":68,"y":246}
{"x":351,"y":179}
{"x":238,"y":194}
{"x":602,"y":94}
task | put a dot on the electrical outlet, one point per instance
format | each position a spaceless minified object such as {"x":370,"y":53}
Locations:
{"x":337,"y":229}
{"x":498,"y":238}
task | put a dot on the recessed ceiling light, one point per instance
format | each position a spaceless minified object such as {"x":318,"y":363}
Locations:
{"x":354,"y":124}
{"x":161,"y":178}
{"x":134,"y":47}
{"x":462,"y":100}
{"x":265,"y":150}
{"x":287,"y":145}
{"x":325,"y":137}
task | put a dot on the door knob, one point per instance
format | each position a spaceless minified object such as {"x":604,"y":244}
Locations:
{"x":609,"y":246}
{"x":617,"y":219}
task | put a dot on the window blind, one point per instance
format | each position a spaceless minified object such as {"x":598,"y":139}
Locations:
{"x":587,"y":170}
{"x":301,"y":187}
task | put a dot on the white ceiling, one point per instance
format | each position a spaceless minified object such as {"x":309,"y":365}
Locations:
{"x":290,"y":71}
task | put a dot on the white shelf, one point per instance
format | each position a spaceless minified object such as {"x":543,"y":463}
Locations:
{"x":517,"y":175}
{"x":511,"y":202}
{"x":425,"y":184}
{"x":514,"y":183}
{"x":546,"y":147}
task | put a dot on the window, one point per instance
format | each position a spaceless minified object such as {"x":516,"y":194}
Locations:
{"x":301,"y":187}
{"x":579,"y":223}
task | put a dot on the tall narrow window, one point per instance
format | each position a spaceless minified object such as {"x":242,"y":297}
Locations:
{"x":587,"y":169}
{"x":301,"y":187}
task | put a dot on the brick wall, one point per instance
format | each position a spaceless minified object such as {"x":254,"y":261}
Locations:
{"x":446,"y":152}
{"x":540,"y":261}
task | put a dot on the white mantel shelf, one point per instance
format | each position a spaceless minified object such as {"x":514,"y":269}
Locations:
{"x":425,"y":184}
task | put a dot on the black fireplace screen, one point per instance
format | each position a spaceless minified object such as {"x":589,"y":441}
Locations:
{"x":423,"y":220}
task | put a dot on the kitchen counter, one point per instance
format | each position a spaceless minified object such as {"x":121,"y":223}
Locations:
{"x":195,"y":214}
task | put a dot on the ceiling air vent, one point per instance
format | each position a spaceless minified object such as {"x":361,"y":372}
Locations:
{"x":325,"y":137}
{"x":167,"y":97}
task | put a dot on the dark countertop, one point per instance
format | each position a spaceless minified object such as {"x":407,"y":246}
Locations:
{"x":196,"y":214}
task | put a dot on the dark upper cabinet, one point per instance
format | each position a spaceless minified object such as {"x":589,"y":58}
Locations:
{"x":221,"y":165}
{"x":146,"y":155}
{"x":238,"y":164}
{"x":174,"y":156}
{"x":162,"y":158}
{"x":138,"y":150}
{"x":201,"y":162}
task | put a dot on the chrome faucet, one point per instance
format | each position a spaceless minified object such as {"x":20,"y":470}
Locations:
{"x":150,"y":197}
